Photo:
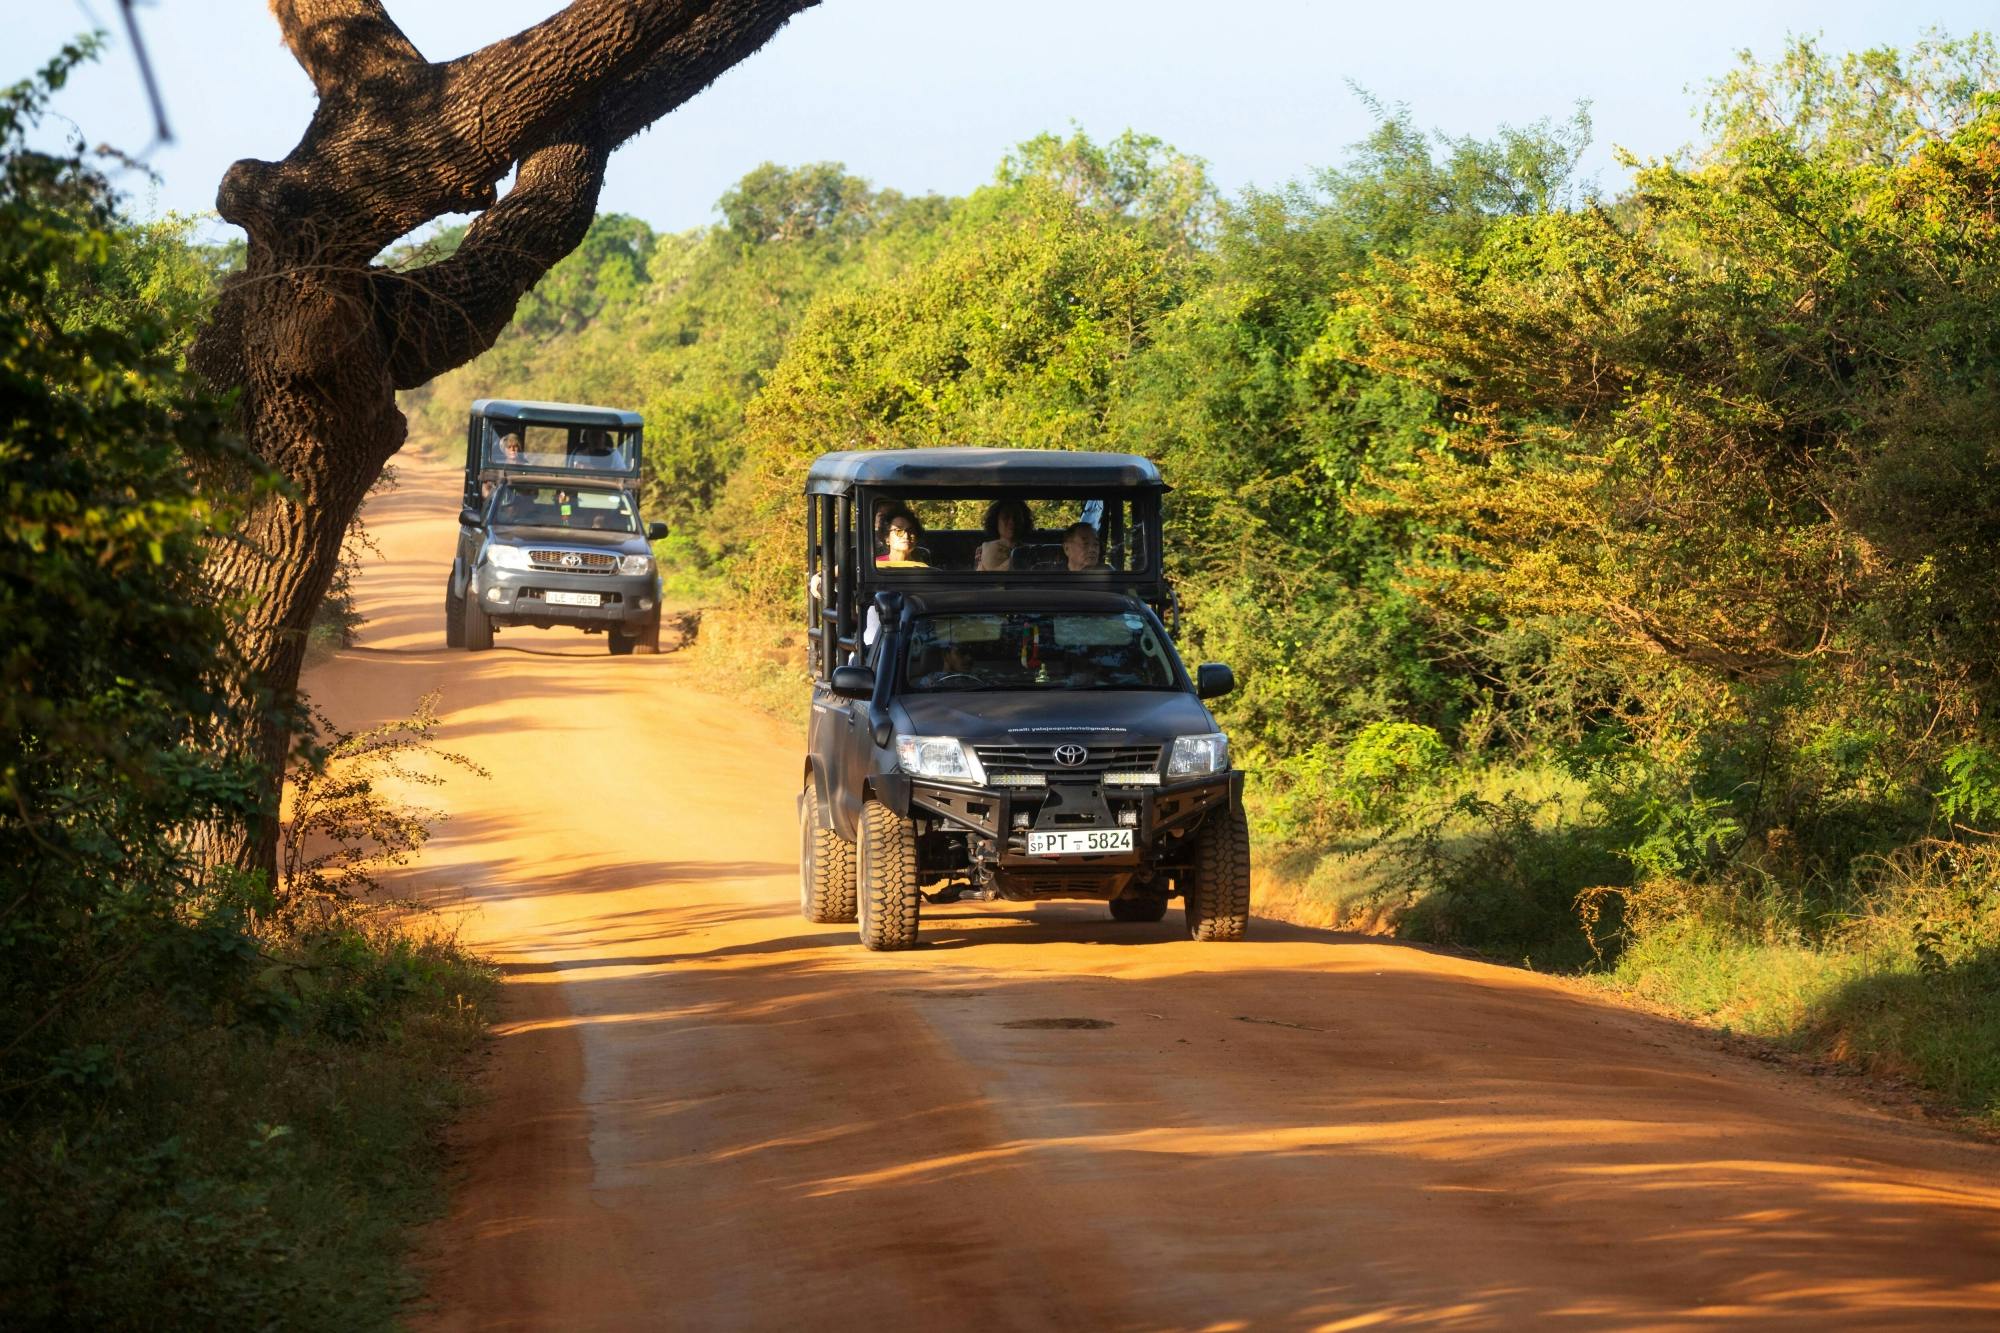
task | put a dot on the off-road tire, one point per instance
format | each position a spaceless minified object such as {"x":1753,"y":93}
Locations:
{"x":826,"y":866}
{"x":454,"y":619}
{"x":1216,"y":902}
{"x":620,"y":644}
{"x":887,"y":893}
{"x":478,"y":625}
{"x":1150,"y":907}
{"x":649,"y":641}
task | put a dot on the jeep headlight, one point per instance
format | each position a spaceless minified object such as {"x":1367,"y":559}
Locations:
{"x":945,"y":757}
{"x":501,"y":556}
{"x":635,"y":564}
{"x":1195,"y":755}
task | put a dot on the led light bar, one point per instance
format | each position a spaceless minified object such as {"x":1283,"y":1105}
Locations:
{"x":1133,"y":779}
{"x":1016,"y":780}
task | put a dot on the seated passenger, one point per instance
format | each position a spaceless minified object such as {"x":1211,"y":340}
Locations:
{"x":886,"y":508}
{"x":901,"y":536}
{"x":593,"y":450}
{"x":1082,"y":549}
{"x":1008,"y":524}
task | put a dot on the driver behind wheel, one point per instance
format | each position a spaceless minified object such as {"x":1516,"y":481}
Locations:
{"x":955,"y":662}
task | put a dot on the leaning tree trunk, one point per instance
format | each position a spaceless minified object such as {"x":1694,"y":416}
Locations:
{"x":317,"y":339}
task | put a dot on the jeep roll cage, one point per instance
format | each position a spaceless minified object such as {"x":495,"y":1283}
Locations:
{"x":844,"y":488}
{"x":599,"y":446}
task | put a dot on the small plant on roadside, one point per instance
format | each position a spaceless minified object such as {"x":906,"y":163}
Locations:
{"x":1389,"y":763}
{"x":347,"y":824}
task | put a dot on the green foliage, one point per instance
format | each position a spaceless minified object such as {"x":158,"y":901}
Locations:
{"x":182,"y":1172}
{"x":1971,"y":791}
{"x":1503,"y":875}
{"x":1387,"y":761}
{"x":1135,"y":176}
{"x":1729,"y":453}
{"x":607,"y":269}
{"x":1875,"y":107}
{"x":685,"y":328}
{"x":820,"y":201}
{"x":110,"y":671}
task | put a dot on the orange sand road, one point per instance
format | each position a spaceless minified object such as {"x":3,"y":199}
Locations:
{"x":706,"y":1113}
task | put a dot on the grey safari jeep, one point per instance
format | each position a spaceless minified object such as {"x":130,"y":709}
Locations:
{"x":549,"y":531}
{"x":998,"y":710}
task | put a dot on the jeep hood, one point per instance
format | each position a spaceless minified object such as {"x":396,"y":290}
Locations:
{"x":1026,"y":717}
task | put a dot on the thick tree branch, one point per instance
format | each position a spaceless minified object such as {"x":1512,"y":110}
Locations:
{"x":343,"y":42}
{"x":396,"y":142}
{"x":517,"y":90}
{"x":715,"y":42}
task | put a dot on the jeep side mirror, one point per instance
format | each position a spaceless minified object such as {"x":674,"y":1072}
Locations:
{"x":1212,"y":680}
{"x":854,"y":682}
{"x":656,"y":531}
{"x":468,"y":516}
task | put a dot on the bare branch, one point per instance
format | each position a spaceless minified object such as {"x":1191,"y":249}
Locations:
{"x":343,"y":42}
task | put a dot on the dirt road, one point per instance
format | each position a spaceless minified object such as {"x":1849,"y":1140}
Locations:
{"x":706,"y":1113}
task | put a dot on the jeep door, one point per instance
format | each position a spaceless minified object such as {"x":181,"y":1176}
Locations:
{"x":471,"y":537}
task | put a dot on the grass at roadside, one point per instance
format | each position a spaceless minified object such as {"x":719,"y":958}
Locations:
{"x":759,"y":661}
{"x":254,"y":1163}
{"x":1894,"y":1013}
{"x":1897,"y":974}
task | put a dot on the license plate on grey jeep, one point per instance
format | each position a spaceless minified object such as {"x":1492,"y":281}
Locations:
{"x":1080,"y":842}
{"x":576,"y":599}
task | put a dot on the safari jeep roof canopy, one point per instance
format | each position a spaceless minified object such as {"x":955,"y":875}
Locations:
{"x":556,"y":414}
{"x":975,"y":469}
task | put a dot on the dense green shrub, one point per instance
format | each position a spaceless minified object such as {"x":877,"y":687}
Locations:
{"x":111,"y":670}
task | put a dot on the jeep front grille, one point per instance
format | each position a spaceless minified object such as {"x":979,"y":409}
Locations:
{"x":573,"y":562}
{"x":1101,"y":759}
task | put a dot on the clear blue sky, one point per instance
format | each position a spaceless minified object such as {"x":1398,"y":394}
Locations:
{"x":928,"y":94}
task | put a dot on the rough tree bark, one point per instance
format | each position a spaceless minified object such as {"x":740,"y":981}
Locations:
{"x":318,"y":340}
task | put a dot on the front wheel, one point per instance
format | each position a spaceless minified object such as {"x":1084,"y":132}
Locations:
{"x":478,"y":625}
{"x":888,"y":894}
{"x":454,"y":619}
{"x":619,"y":643}
{"x":1217,"y":896}
{"x":826,"y":866}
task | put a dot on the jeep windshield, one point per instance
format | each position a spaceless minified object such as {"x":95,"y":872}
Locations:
{"x":577,"y":507}
{"x":1037,"y":650}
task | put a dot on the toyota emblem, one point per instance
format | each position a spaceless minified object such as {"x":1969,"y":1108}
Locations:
{"x":1069,"y":756}
{"x":571,"y":560}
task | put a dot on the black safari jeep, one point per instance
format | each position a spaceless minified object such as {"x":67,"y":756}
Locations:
{"x":549,"y":531}
{"x":998,"y":710}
